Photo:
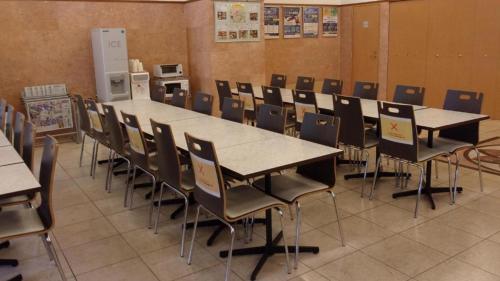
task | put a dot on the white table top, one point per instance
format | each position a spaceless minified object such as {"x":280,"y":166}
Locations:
{"x":437,"y":119}
{"x":17,"y":179}
{"x":3,"y":140}
{"x":9,"y":156}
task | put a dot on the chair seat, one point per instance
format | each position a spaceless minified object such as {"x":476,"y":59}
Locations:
{"x":187,"y":181}
{"x":371,"y":139}
{"x":289,"y":189}
{"x":14,"y":200}
{"x":18,"y":222}
{"x":244,"y":200}
{"x":426,"y":153}
{"x":450,"y":145}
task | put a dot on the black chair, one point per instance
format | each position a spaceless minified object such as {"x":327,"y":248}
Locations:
{"x":227,"y":205}
{"x":158,"y":93}
{"x":272,"y":118}
{"x":23,"y":222}
{"x":352,"y":134}
{"x":98,"y":132}
{"x":9,"y":123}
{"x":233,"y":110}
{"x":179,"y":98}
{"x":246,"y":94}
{"x":278,"y":80}
{"x":321,"y":129}
{"x":19,"y":132}
{"x":398,"y":140}
{"x":332,"y":87}
{"x":465,"y":136}
{"x":304,"y":101}
{"x":84,"y":121}
{"x":170,"y":172}
{"x":413,"y":95}
{"x":224,"y":91}
{"x":366,"y":90}
{"x":3,"y":108}
{"x":272,"y":95}
{"x":203,"y":103}
{"x":305,"y":83}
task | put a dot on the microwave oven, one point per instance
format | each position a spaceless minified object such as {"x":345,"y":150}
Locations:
{"x":167,"y":70}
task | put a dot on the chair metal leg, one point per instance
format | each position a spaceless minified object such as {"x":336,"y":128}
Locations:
{"x":82,"y":148}
{"x":375,"y":177}
{"x":230,"y":254}
{"x":367,"y":156}
{"x":158,"y":208}
{"x":457,"y":166}
{"x":195,"y":225}
{"x":151,"y":206}
{"x":420,"y":185}
{"x":297,"y":234}
{"x":341,"y":231}
{"x":95,"y":159}
{"x":452,"y":196}
{"x":479,"y":169}
{"x":54,"y":255}
{"x":109,"y":174}
{"x":184,"y":225}
{"x":288,"y":268}
{"x":129,"y":195}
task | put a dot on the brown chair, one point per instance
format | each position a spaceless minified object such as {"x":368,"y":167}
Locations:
{"x":272,"y":118}
{"x":9,"y":123}
{"x":19,"y":132}
{"x":224,"y":91}
{"x":278,"y":80}
{"x":23,"y":222}
{"x":158,"y":93}
{"x":179,"y":98}
{"x":305,"y":83}
{"x":366,"y":90}
{"x":246,"y":94}
{"x":84,"y":121}
{"x":332,"y":87}
{"x":227,"y":205}
{"x":203,"y":103}
{"x":409,"y":95}
{"x":170,"y":173}
{"x":304,"y":101}
{"x":233,"y":110}
{"x":321,"y":129}
{"x":98,"y":132}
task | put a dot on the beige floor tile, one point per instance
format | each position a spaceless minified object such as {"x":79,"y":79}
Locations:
{"x":360,"y":267}
{"x":33,"y":269}
{"x":97,"y":254}
{"x":114,"y":204}
{"x":353,"y":203}
{"x":129,"y":220}
{"x":358,"y":232}
{"x":472,"y":183}
{"x":95,"y":191}
{"x":442,"y":201}
{"x":214,"y":273}
{"x":168,"y":265}
{"x":405,"y":255}
{"x":471,"y":221}
{"x":495,"y":238}
{"x":76,"y":214}
{"x":130,"y":270}
{"x":24,"y":248}
{"x":143,"y":240}
{"x":486,"y":204}
{"x":68,"y":196}
{"x":84,"y":232}
{"x":318,"y":213}
{"x":289,"y":224}
{"x":393,"y":218}
{"x":455,"y":270}
{"x":309,"y":276}
{"x":485,"y":255}
{"x":441,"y":237}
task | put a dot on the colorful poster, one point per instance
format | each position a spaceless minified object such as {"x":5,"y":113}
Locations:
{"x":292,"y":18}
{"x":237,"y":21}
{"x":330,"y":21}
{"x":50,"y":114}
{"x":311,"y":22}
{"x":271,"y":22}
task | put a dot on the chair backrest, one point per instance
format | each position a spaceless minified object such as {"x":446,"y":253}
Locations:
{"x":352,"y":126}
{"x":321,"y":129}
{"x":203,"y":103}
{"x":209,"y":188}
{"x":272,"y":95}
{"x":28,"y":141}
{"x":114,"y":128}
{"x":169,"y":165}
{"x":224,"y":91}
{"x":46,"y":179}
{"x":304,"y":101}
{"x":413,"y":95}
{"x":158,"y":93}
{"x":179,"y":98}
{"x":305,"y":83}
{"x":139,"y":153}
{"x":278,"y":80}
{"x":95,"y":117}
{"x":272,"y":118}
{"x":366,"y":90}
{"x":9,"y":123}
{"x":82,"y":114}
{"x":19,"y":132}
{"x":245,"y":92}
{"x":464,"y":101}
{"x":233,"y":110}
{"x":332,"y":87}
{"x":398,"y":135}
{"x":3,"y":107}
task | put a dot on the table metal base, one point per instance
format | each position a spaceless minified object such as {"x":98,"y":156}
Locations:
{"x":372,"y":174}
{"x":427,"y":192}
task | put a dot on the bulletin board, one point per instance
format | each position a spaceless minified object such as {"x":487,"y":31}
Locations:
{"x":330,"y":21}
{"x":292,"y":22}
{"x":237,"y":21}
{"x":311,"y":22}
{"x":271,"y":22}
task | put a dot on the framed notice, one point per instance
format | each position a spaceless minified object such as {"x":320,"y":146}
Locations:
{"x":311,"y":22}
{"x":271,"y":22}
{"x":50,"y":114}
{"x":292,"y":18}
{"x":237,"y":21}
{"x":330,"y":21}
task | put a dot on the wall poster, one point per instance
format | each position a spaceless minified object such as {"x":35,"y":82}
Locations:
{"x":330,"y":21}
{"x":237,"y":21}
{"x":271,"y":22}
{"x":292,"y":18}
{"x":311,"y":22}
{"x":50,"y":114}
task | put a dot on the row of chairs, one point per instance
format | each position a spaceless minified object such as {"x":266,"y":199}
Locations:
{"x":23,"y":218}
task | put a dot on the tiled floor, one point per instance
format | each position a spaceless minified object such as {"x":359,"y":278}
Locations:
{"x":98,"y":239}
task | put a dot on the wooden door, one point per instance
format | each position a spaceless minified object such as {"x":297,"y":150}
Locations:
{"x":366,"y":30}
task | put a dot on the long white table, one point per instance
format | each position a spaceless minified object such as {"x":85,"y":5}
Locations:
{"x":9,"y":156}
